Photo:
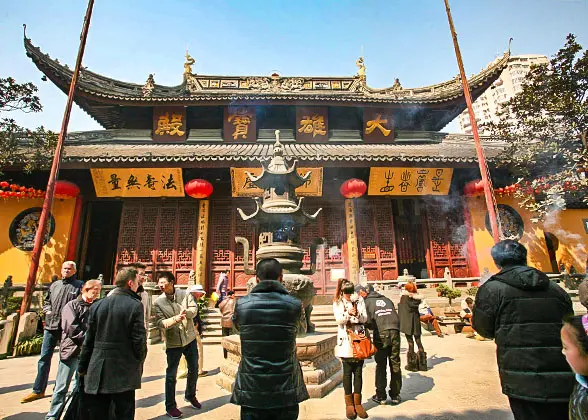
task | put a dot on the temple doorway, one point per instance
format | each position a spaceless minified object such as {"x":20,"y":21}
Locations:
{"x":99,"y":240}
{"x":410,"y":236}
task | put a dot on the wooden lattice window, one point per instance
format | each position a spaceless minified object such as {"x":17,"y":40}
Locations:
{"x":161,"y":235}
{"x":447,"y":239}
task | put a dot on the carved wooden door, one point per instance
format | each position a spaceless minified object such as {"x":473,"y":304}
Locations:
{"x":161,"y":235}
{"x":224,"y":253}
{"x":330,"y":224}
{"x":376,"y":239}
{"x":448,"y":237}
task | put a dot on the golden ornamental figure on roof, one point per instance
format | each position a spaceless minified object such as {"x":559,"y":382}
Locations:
{"x":397,"y":86}
{"x":361,"y":65}
{"x":188,"y":64}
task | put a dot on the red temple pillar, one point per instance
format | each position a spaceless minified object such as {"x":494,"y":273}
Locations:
{"x":74,"y":235}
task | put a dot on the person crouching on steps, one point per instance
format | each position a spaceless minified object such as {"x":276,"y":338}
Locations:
{"x":350,"y":313}
{"x":410,"y":325}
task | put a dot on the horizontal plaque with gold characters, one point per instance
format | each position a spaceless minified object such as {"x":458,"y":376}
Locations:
{"x":242,"y":186}
{"x":409,"y":181}
{"x":138,"y":182}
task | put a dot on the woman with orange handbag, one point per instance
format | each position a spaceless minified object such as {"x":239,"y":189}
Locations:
{"x":350,"y":315}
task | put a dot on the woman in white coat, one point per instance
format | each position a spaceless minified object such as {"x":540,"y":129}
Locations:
{"x":349,"y":310}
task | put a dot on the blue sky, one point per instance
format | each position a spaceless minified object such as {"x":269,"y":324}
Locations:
{"x":408,"y":39}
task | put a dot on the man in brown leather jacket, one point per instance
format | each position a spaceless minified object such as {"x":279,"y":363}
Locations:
{"x":227,"y":307}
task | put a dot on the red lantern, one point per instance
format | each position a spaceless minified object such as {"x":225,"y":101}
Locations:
{"x":66,"y":189}
{"x":353,"y":188}
{"x":474,"y":187}
{"x":198,"y":188}
{"x":4,"y":184}
{"x":13,"y":187}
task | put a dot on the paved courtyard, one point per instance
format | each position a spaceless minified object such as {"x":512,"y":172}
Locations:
{"x":462,"y":383}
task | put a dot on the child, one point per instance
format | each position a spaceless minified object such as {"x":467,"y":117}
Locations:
{"x":574,"y":337}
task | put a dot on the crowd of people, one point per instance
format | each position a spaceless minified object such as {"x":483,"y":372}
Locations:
{"x":540,"y":344}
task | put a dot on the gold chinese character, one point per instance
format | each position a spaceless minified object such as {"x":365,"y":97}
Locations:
{"x":164,"y":126}
{"x":241,"y":122}
{"x":314,"y":125}
{"x":377,"y":123}
{"x":175,"y":125}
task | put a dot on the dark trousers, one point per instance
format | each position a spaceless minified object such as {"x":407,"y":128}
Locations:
{"x":417,"y":339}
{"x":226,"y":331}
{"x":389,"y":356}
{"x":282,"y":413}
{"x":100,"y":405}
{"x":352,"y":371}
{"x":174,"y":355}
{"x":50,"y":341}
{"x":531,"y":410}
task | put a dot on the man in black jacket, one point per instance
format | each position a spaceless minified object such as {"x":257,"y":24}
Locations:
{"x":523,"y":310}
{"x":269,"y":382}
{"x":111,"y":362}
{"x":59,"y":293}
{"x":74,"y":323}
{"x":383,"y":321}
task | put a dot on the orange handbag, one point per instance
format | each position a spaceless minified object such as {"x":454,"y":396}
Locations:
{"x":362,"y":346}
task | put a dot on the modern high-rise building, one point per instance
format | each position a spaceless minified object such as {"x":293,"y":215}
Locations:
{"x":505,"y":87}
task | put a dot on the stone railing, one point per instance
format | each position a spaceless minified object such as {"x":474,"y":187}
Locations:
{"x":463,"y":282}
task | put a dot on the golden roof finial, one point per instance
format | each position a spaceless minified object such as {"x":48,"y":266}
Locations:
{"x":361,"y":65}
{"x":188,"y":64}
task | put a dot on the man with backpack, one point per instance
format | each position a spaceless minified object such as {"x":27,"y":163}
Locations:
{"x":384,"y":322}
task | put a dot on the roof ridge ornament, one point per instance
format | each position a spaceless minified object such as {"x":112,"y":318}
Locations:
{"x":397,"y":86}
{"x":149,"y":86}
{"x":361,"y":68}
{"x":188,"y":65}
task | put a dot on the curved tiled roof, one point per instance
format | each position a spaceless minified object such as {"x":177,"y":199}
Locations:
{"x":197,"y":89}
{"x":453,"y":149}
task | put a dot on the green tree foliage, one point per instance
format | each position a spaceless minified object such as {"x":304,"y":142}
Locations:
{"x":22,"y":147}
{"x":546,"y":126}
{"x":447,"y":292}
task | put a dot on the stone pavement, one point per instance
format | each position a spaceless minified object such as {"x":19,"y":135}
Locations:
{"x":462,"y":383}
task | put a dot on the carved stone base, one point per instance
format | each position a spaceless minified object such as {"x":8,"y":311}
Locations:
{"x":321,"y":369}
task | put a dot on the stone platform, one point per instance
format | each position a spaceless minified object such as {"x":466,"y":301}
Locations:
{"x":321,"y":369}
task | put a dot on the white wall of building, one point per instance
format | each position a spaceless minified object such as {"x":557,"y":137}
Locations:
{"x":505,"y":87}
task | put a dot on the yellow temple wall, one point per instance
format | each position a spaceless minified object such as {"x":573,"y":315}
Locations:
{"x":16,"y":262}
{"x":533,"y":236}
{"x":568,"y":227}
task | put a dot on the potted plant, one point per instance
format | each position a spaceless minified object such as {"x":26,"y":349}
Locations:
{"x":447,"y":292}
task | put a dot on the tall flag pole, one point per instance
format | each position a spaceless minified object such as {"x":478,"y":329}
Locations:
{"x":47,"y":203}
{"x":486,"y":179}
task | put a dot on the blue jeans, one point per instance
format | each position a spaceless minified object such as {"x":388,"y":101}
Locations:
{"x":190,"y":352}
{"x":67,"y":369}
{"x":50,"y":341}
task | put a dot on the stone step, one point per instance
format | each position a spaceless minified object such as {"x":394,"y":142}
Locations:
{"x":211,"y":340}
{"x":329,"y":329}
